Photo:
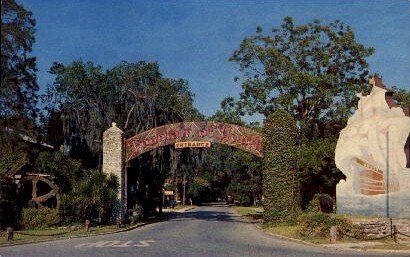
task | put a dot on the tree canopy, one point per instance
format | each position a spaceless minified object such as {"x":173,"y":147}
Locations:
{"x":134,"y":95}
{"x":312,"y":71}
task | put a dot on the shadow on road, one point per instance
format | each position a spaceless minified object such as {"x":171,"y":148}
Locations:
{"x":209,"y":216}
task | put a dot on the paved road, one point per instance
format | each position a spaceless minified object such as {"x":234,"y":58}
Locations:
{"x":204,"y":231}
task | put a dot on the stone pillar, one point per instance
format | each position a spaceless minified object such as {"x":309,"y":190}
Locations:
{"x":113,"y":163}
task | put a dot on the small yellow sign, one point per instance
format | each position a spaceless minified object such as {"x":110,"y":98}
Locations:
{"x":196,"y":144}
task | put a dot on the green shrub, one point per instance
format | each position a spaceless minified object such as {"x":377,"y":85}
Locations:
{"x":312,"y":224}
{"x":93,"y":198}
{"x":314,"y":205}
{"x":40,"y":218}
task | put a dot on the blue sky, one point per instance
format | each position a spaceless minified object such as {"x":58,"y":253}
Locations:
{"x":194,"y":39}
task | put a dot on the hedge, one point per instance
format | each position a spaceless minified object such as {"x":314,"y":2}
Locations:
{"x":281,"y":183}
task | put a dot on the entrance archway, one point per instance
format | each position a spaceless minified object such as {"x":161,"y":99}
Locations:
{"x":117,"y":150}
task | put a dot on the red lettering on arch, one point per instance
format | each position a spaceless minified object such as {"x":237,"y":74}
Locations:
{"x":223,"y":133}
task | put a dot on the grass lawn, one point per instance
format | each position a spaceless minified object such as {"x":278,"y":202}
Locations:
{"x":40,"y":234}
{"x":250,"y":212}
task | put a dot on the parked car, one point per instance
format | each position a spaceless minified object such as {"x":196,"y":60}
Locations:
{"x":170,"y":203}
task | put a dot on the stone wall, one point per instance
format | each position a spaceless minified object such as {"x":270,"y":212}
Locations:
{"x":379,"y":227}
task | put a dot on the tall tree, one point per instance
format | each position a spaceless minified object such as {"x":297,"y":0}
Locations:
{"x":17,"y":100}
{"x":18,"y":92}
{"x":312,"y":71}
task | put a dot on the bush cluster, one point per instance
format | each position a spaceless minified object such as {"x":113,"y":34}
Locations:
{"x":315,"y":223}
{"x":321,"y":203}
{"x":93,"y":198}
{"x":312,"y":224}
{"x":39,"y":218}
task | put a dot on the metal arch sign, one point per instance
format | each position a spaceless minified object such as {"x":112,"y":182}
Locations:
{"x":216,"y":132}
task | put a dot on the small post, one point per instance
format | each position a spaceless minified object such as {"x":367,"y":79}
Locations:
{"x":119,"y":222}
{"x":87,"y":225}
{"x":333,"y":234}
{"x":395,"y":233}
{"x":10,"y":233}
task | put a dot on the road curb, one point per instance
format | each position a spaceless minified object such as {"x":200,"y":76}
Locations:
{"x":76,"y":236}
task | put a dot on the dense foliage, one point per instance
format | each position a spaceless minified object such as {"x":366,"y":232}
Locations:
{"x":313,"y":71}
{"x":64,"y":171}
{"x":136,"y":96}
{"x":233,"y":173}
{"x":280,"y":179}
{"x":199,"y":190}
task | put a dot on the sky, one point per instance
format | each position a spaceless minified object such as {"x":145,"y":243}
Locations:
{"x":193,"y":40}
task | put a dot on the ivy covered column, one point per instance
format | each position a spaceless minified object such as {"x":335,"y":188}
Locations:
{"x":281,"y":183}
{"x":113,"y":164}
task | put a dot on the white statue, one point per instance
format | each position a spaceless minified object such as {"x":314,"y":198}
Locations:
{"x":375,"y":136}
